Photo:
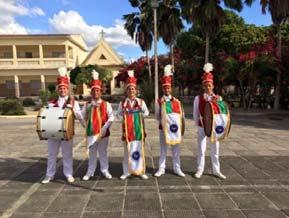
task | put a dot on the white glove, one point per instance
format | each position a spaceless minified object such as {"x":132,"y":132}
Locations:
{"x":69,"y":106}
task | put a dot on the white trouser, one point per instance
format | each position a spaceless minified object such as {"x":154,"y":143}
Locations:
{"x":163,"y":154}
{"x":202,"y":143}
{"x":53,"y":149}
{"x":125,"y":159}
{"x":101,"y":147}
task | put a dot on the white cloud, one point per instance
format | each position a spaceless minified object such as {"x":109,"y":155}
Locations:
{"x":72,"y":22}
{"x":10,"y":9}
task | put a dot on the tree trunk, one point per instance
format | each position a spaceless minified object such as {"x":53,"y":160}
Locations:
{"x":242,"y":93}
{"x":149,"y":65}
{"x":172,"y":57}
{"x":207,"y":48}
{"x":279,"y":69}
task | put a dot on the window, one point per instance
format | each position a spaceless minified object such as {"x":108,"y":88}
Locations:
{"x":35,"y":84}
{"x":25,"y":54}
{"x":102,"y":57}
{"x":10,"y":84}
{"x":57,"y":54}
{"x":6,"y":55}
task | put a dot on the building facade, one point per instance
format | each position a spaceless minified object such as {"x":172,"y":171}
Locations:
{"x":29,"y":63}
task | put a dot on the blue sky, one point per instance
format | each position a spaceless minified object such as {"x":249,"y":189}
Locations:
{"x":87,"y":17}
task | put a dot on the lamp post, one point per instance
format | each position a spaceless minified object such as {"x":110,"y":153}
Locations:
{"x":155,"y":5}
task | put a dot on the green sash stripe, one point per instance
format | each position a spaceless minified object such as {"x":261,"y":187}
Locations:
{"x":89,"y":124}
{"x":223,"y":107}
{"x":137,"y":126}
{"x":169,"y":107}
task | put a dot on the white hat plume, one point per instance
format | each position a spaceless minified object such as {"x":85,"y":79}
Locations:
{"x":130,"y":73}
{"x":62,"y":71}
{"x":208,"y":67}
{"x":95,"y":75}
{"x":168,"y":70}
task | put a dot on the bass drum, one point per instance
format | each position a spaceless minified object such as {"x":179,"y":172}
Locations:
{"x":55,"y":123}
{"x":216,"y":120}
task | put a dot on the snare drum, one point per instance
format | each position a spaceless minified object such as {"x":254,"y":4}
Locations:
{"x":55,"y":123}
{"x":216,"y":120}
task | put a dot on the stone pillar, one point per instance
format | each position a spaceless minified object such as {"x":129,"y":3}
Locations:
{"x":41,"y":61}
{"x":17,"y":89}
{"x":14,"y":54}
{"x":42,"y":78}
{"x":66,"y":56}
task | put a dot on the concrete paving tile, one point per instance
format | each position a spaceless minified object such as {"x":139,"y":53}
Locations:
{"x":223,"y":214}
{"x":206,"y":189}
{"x":178,"y":201}
{"x":114,"y":182}
{"x":171,"y":182}
{"x":101,"y":214}
{"x":136,"y":181}
{"x":280,"y":199}
{"x":142,"y":214}
{"x":68,"y":203}
{"x":26,"y":215}
{"x":105,"y":202}
{"x":144,"y":201}
{"x":251,"y":201}
{"x":215,"y":201}
{"x":7,"y":200}
{"x":183,"y":214}
{"x":35,"y":204}
{"x":61,"y":215}
{"x":264,"y":213}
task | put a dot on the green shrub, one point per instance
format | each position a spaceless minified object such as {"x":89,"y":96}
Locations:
{"x":44,"y":96}
{"x":1,"y":103}
{"x":12,"y":107}
{"x":27,"y":102}
{"x":51,"y":87}
{"x":147,"y":93}
{"x":52,"y":95}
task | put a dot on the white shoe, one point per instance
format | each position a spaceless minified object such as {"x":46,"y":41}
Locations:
{"x":180,"y":173}
{"x":198,"y":174}
{"x":107,"y":175}
{"x":86,"y":177}
{"x":144,"y":176}
{"x":159,"y":173}
{"x":47,"y":179}
{"x":70,"y":179}
{"x":220,"y":175}
{"x":124,"y":176}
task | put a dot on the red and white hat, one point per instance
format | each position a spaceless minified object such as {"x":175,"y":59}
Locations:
{"x":167,"y":77}
{"x":95,"y":83}
{"x":131,"y":80}
{"x":207,"y":75}
{"x":63,"y":78}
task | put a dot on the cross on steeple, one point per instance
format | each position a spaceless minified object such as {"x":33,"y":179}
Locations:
{"x":102,"y":34}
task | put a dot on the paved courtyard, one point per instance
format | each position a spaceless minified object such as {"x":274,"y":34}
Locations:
{"x":255,"y":160}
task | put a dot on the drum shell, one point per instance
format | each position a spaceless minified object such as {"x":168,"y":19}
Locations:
{"x":55,"y":123}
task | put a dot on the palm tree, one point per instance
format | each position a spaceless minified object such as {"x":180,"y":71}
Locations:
{"x":209,"y":16}
{"x":139,"y":27}
{"x":279,"y":10}
{"x":170,"y":24}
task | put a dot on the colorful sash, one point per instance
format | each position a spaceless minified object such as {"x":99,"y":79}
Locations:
{"x":171,"y":120}
{"x":134,"y":136}
{"x":221,"y":120}
{"x":93,"y":124}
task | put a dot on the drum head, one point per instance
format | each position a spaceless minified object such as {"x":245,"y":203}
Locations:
{"x":38,"y":126}
{"x":208,"y":119}
{"x":68,"y":124}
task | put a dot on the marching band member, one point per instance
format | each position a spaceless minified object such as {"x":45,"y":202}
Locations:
{"x":169,"y":113}
{"x":63,"y":101}
{"x":132,"y":111}
{"x":99,"y":116}
{"x":199,"y":105}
